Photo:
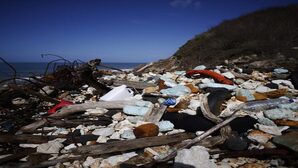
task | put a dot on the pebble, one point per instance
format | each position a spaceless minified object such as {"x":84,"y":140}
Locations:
{"x":128,"y":134}
{"x":274,"y":130}
{"x":96,"y":112}
{"x":102,"y":139}
{"x":103,"y":132}
{"x":218,"y":85}
{"x":50,"y":147}
{"x":200,"y":67}
{"x":280,"y":70}
{"x":146,"y":130}
{"x":115,"y":135}
{"x":71,"y":146}
{"x":259,"y":136}
{"x":118,"y":117}
{"x":229,"y":75}
{"x":113,"y":161}
{"x":178,"y":90}
{"x":89,"y":161}
{"x":165,"y":126}
{"x":19,"y":101}
{"x":196,"y":156}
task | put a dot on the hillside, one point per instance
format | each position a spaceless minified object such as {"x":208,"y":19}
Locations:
{"x":264,"y":39}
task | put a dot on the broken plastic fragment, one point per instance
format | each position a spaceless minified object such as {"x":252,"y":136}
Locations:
{"x":276,"y":114}
{"x":118,"y":93}
{"x":212,"y":74}
{"x":62,"y":103}
{"x":218,"y":85}
{"x":178,"y":90}
{"x":141,"y":108}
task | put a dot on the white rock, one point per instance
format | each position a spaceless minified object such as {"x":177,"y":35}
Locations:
{"x":217,"y":71}
{"x":96,"y":112}
{"x":261,"y":138}
{"x":29,"y":145}
{"x":250,"y":84}
{"x":91,"y":90}
{"x":207,"y":80}
{"x":194,"y":104}
{"x":115,"y":135}
{"x":102,"y":139}
{"x":135,"y":119}
{"x":128,"y":134}
{"x":140,"y":108}
{"x":124,"y":124}
{"x":218,"y":85}
{"x":263,"y":89}
{"x":198,"y":133}
{"x":85,"y":86}
{"x":118,"y":116}
{"x":175,"y":131}
{"x":59,"y":131}
{"x":79,"y":99}
{"x":196,"y":156}
{"x":188,"y":111}
{"x":19,"y":101}
{"x":47,"y":89}
{"x":229,"y":75}
{"x":50,"y":147}
{"x":96,"y":163}
{"x":165,"y":126}
{"x":274,"y":130}
{"x":280,"y":70}
{"x":89,"y":161}
{"x":71,"y":146}
{"x":200,"y":67}
{"x":117,"y":159}
{"x":103,"y":132}
{"x":138,"y":97}
{"x":284,"y":82}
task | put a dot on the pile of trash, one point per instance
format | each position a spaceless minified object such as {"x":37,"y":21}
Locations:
{"x":85,"y":117}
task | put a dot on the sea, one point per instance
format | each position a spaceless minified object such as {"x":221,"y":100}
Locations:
{"x":26,"y":69}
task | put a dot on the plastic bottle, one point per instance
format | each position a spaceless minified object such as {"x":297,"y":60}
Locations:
{"x":265,"y":104}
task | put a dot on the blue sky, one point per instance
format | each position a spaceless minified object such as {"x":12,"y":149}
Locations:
{"x":113,"y":30}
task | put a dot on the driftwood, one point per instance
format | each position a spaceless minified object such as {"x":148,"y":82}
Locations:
{"x":155,"y":115}
{"x":44,"y":163}
{"x":18,"y":155}
{"x":144,"y":67}
{"x":103,"y":121}
{"x":33,"y":139}
{"x":71,"y":109}
{"x":120,"y":146}
{"x":68,"y":110}
{"x":132,"y":84}
{"x":280,"y":153}
{"x":197,"y":139}
{"x":31,"y":92}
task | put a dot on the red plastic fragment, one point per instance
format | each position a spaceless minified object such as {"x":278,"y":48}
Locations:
{"x":62,"y":103}
{"x":212,"y":74}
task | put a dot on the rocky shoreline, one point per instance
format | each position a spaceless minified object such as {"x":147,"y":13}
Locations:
{"x":85,"y":117}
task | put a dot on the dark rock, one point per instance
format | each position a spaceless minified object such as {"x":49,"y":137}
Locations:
{"x":236,"y":143}
{"x":272,"y":85}
{"x":193,"y":123}
{"x":289,"y":140}
{"x":294,"y":79}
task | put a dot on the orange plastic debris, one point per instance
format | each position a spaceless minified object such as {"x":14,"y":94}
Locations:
{"x":212,"y":74}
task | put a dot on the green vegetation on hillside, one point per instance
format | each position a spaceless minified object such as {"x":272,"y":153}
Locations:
{"x":270,"y":34}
